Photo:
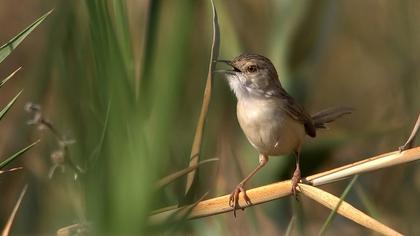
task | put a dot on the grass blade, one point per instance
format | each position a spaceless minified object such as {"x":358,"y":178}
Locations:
{"x":168,"y":179}
{"x":9,"y":105}
{"x":369,"y":206}
{"x":7,"y":48}
{"x":198,"y":136}
{"x":345,"y":209}
{"x":149,"y":46}
{"x":290,"y":226}
{"x":8,"y":226}
{"x":10,"y":76}
{"x":334,"y":212}
{"x":16,"y":155}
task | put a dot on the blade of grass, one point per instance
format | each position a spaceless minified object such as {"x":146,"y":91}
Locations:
{"x":198,"y":137}
{"x":152,"y":23}
{"x":170,"y":178}
{"x":370,"y":208}
{"x":290,"y":226}
{"x":7,"y":48}
{"x":334,"y":212}
{"x":345,"y":209}
{"x":16,"y":155}
{"x":9,"y":105}
{"x":9,"y":77}
{"x":298,"y":213}
{"x":97,"y":150}
{"x":8,"y":226}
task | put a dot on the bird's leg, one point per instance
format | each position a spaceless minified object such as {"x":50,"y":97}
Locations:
{"x":296,"y":175}
{"x":234,"y":196}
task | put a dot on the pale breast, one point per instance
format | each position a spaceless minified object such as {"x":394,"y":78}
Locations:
{"x":268,"y":128}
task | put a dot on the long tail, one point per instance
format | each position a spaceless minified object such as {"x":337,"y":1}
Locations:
{"x":323,"y":117}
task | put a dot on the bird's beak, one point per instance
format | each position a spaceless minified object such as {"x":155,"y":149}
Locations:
{"x":232,"y":71}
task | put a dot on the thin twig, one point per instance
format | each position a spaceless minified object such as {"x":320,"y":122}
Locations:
{"x":170,"y":178}
{"x":274,"y":191}
{"x":410,"y":141}
{"x":11,"y":170}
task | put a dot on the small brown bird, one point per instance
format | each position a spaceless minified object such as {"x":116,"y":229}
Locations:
{"x":270,"y":118}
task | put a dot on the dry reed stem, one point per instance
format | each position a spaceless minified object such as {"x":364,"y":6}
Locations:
{"x":10,"y":170}
{"x":9,"y":77}
{"x":8,"y":226}
{"x":345,"y":209}
{"x":410,"y":141}
{"x":277,"y":190}
{"x":172,"y":177}
{"x":198,"y":136}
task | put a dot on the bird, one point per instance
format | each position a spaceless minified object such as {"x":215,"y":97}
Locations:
{"x":271,"y":119}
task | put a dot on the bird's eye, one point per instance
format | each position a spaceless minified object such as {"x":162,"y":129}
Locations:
{"x":251,"y":69}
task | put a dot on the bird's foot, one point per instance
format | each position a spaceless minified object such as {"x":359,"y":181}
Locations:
{"x":234,"y":198}
{"x":295,"y":180}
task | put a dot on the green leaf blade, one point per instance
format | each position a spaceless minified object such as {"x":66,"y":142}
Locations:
{"x":9,"y":105}
{"x":7,"y":48}
{"x":16,"y":155}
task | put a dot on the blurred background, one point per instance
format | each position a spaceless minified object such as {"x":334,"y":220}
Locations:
{"x":125,"y":79}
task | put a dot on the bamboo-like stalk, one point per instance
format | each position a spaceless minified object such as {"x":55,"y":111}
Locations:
{"x":274,"y":191}
{"x":345,"y":209}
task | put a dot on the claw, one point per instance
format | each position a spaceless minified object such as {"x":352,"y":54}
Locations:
{"x":234,"y":199}
{"x":295,"y":180}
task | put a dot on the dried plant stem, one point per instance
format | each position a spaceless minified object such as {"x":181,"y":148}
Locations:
{"x":198,"y":136}
{"x":410,"y":141}
{"x":8,"y":226}
{"x":274,"y":191}
{"x":367,"y":165}
{"x":345,"y":209}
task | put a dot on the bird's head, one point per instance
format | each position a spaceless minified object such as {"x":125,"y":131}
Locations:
{"x":252,"y":75}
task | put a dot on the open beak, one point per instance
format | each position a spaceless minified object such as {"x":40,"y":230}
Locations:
{"x":231,"y":71}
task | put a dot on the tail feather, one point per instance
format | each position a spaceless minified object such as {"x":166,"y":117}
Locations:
{"x":321,"y":118}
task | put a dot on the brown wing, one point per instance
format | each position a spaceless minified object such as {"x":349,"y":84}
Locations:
{"x":298,"y":113}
